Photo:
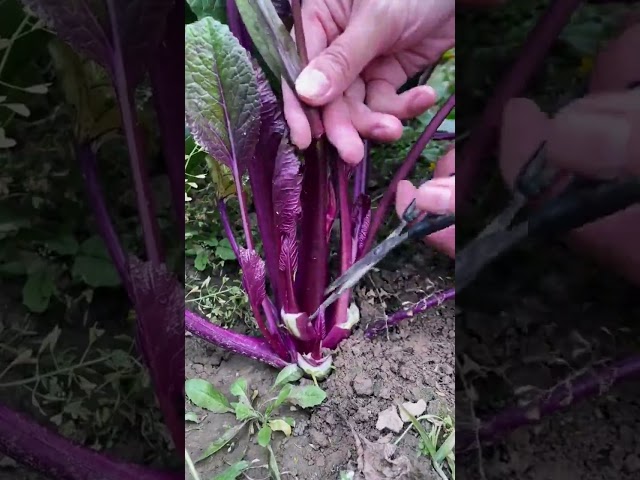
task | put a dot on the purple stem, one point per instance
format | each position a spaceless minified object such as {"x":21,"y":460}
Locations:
{"x":146,"y":210}
{"x":405,"y":169}
{"x":420,"y":307}
{"x":165,"y":72}
{"x":444,"y":136}
{"x":234,"y":21}
{"x":86,"y":157}
{"x":561,"y":397}
{"x":311,"y":279}
{"x":469,"y":162}
{"x":252,"y":347}
{"x":361,"y":175}
{"x":49,"y":453}
{"x":226,"y":224}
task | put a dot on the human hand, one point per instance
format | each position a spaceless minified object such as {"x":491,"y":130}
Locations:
{"x":597,"y":136}
{"x":361,"y":52}
{"x":435,"y":196}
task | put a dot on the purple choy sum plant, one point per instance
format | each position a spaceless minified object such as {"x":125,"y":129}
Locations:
{"x":234,"y":115}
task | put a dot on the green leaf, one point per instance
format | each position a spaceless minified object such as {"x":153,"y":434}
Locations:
{"x":244,"y":412}
{"x":225,"y":253}
{"x":191,"y":417}
{"x":307,"y":397}
{"x":282,"y":397}
{"x":204,"y":395}
{"x":271,"y":38}
{"x":222,"y":103}
{"x":209,"y":8}
{"x":289,"y":374}
{"x":95,"y":272}
{"x":279,"y":425}
{"x":239,"y":389}
{"x":201,"y":261}
{"x":221,"y":442}
{"x":273,"y":464}
{"x":264,"y":436}
{"x":233,"y":472}
{"x":65,"y":244}
{"x":38,"y":290}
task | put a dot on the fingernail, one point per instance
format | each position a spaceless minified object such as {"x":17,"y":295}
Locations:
{"x":312,"y":84}
{"x":435,"y":199}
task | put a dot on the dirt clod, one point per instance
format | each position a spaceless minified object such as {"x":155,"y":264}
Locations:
{"x":363,"y":385}
{"x":389,"y":419}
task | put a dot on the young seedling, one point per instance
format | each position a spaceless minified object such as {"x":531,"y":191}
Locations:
{"x":259,"y":417}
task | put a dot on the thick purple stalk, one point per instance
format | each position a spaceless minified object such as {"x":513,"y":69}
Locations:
{"x":444,"y":136}
{"x":410,"y":312}
{"x":469,"y":162}
{"x":132,"y":133}
{"x":234,"y":21}
{"x":165,"y":72}
{"x":86,"y":158}
{"x":252,"y":347}
{"x":561,"y":397}
{"x":311,"y":279}
{"x":405,"y":169}
{"x":226,"y":224}
{"x":52,"y":455}
{"x":361,"y":175}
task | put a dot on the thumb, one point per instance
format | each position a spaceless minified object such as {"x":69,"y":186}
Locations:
{"x":330,"y":73}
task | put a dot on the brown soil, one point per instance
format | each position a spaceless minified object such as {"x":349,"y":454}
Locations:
{"x":414,"y":362}
{"x":555,"y":316}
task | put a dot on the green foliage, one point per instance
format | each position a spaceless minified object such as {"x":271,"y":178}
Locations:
{"x":258,"y":417}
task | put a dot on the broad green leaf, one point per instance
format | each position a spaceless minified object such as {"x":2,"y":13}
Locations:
{"x":204,"y":395}
{"x":233,"y":472}
{"x":191,"y":417}
{"x":279,"y":425}
{"x":209,"y":8}
{"x":38,"y":290}
{"x":282,"y":397}
{"x":271,"y":38}
{"x":264,"y":436}
{"x":244,"y":412}
{"x":289,"y":374}
{"x":95,"y":272}
{"x":222,"y":104}
{"x":221,"y":442}
{"x":201,"y":261}
{"x":307,"y":397}
{"x":65,"y":244}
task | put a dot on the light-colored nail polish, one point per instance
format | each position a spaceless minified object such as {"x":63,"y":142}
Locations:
{"x":312,"y":84}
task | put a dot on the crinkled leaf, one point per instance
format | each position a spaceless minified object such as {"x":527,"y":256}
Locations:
{"x":209,"y":8}
{"x":218,"y":444}
{"x":254,"y":275}
{"x":271,"y":38}
{"x":287,"y":187}
{"x":204,"y":395}
{"x":221,"y":94}
{"x":307,"y":396}
{"x":289,"y":374}
{"x":86,"y":25}
{"x":264,"y":436}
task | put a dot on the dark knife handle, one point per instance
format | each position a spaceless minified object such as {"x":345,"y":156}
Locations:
{"x":430,"y":224}
{"x":580,"y":207}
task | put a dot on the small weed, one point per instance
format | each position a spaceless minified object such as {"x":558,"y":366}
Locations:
{"x":259,"y":418}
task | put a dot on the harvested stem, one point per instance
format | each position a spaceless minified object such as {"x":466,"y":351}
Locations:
{"x":410,"y":312}
{"x":561,"y":397}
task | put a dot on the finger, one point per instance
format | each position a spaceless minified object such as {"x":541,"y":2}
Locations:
{"x":405,"y":194}
{"x":372,"y":125}
{"x":316,"y":19}
{"x":341,"y":132}
{"x":446,"y":166}
{"x":331,"y":72}
{"x":612,"y":69}
{"x":300,"y":130}
{"x":437,"y":196}
{"x":524,"y":128}
{"x":598,"y":136}
{"x":382,"y":97}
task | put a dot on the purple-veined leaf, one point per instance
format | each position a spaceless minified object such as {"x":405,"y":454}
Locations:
{"x":222,"y":103}
{"x":287,"y":187}
{"x":159,"y":303}
{"x":254,"y":275}
{"x":88,"y":27}
{"x":361,"y":219}
{"x":271,"y":38}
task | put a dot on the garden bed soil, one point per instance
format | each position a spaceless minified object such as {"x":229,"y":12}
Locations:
{"x":554,"y":317}
{"x":415,"y":361}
